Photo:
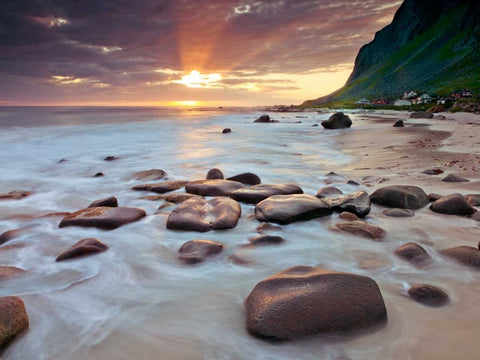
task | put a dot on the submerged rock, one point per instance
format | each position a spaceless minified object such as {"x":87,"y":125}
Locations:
{"x":13,"y":319}
{"x":6,"y":272}
{"x":395,"y":212}
{"x":198,"y":214}
{"x":264,"y":227}
{"x":263,"y":119}
{"x":196,"y":251}
{"x":285,"y":209}
{"x":454,"y":204}
{"x":257,"y":193}
{"x":328,"y":191}
{"x":99,"y":174}
{"x":212,"y":187}
{"x":337,"y":121}
{"x":109,"y":202}
{"x":83,"y":248}
{"x":428,"y":295}
{"x":246,"y":178}
{"x":148,"y":175}
{"x":398,"y":196}
{"x":15,"y":195}
{"x":178,"y":197}
{"x":214,"y":174}
{"x":262,"y":240}
{"x":362,"y":228}
{"x":103,"y":217}
{"x":467,"y":255}
{"x":454,"y":178}
{"x":413,"y":253}
{"x":226,"y":131}
{"x":348,"y":216}
{"x":357,"y":203}
{"x":111,"y":158}
{"x":161,"y":187}
{"x":304,"y":300}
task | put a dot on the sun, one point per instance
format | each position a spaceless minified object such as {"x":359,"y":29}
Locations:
{"x":197,"y":80}
{"x":185,"y":103}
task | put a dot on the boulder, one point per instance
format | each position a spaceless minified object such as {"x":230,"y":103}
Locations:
{"x":421,"y":115}
{"x":284,"y":209}
{"x":348,"y":216}
{"x":212,"y":187}
{"x":161,"y":187}
{"x":214,"y":174}
{"x":262,"y":240}
{"x":111,"y":158}
{"x":99,"y":174}
{"x":399,"y":123}
{"x":433,"y":197}
{"x":432,"y":172}
{"x":362,"y":228}
{"x":15,"y":195}
{"x":11,"y":234}
{"x":109,"y":202}
{"x":357,"y":203}
{"x":396,"y":212}
{"x":263,"y":119}
{"x":440,"y":117}
{"x":328,"y":191}
{"x":13,"y":319}
{"x":337,"y":121}
{"x":83,"y":248}
{"x":198,"y":214}
{"x":473,"y":199}
{"x":103,"y":217}
{"x":467,"y":255}
{"x":246,"y":178}
{"x":226,"y":131}
{"x":428,"y":295}
{"x":413,"y":253}
{"x":196,"y":251}
{"x":153,"y":197}
{"x":257,"y":193}
{"x":6,"y":272}
{"x":149,"y":175}
{"x":352,"y":182}
{"x":398,"y":196}
{"x":454,"y":178}
{"x":305,"y":300}
{"x":178,"y":197}
{"x":454,"y":204}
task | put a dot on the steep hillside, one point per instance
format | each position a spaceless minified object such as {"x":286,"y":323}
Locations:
{"x":429,"y":46}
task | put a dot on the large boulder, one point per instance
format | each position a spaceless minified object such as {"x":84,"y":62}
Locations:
{"x":454,"y":204}
{"x":284,"y":209}
{"x":399,"y":196}
{"x":149,"y":175}
{"x":196,"y":251}
{"x":247,"y":178}
{"x":109,"y":202}
{"x":305,"y":300}
{"x":13,"y":319}
{"x":363,"y":229}
{"x":257,"y":193}
{"x":212,"y":187}
{"x":263,"y":119}
{"x":103,"y":217}
{"x":428,"y":295}
{"x":413,"y":253}
{"x":357,"y":203}
{"x":337,"y":121}
{"x":161,"y":187}
{"x":421,"y":115}
{"x":467,"y":255}
{"x":198,"y":214}
{"x":82,"y":248}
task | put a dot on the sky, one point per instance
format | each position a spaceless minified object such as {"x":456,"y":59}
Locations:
{"x":181,"y":52}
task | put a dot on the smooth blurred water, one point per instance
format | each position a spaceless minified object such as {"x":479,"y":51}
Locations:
{"x":136,"y":301}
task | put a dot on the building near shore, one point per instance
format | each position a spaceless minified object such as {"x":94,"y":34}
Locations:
{"x":402,"y":102}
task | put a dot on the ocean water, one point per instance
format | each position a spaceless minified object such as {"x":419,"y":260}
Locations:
{"x":136,"y":301}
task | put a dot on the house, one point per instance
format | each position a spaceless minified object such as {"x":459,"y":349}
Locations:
{"x":402,"y":102}
{"x":461,"y":94}
{"x":441,"y":101}
{"x":380,"y":102}
{"x":422,"y":99}
{"x":407,"y":95}
{"x":363,"y":101}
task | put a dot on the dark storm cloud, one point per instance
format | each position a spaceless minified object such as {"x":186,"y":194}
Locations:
{"x":122,"y":42}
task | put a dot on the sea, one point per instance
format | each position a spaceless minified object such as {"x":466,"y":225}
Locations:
{"x":137,"y":300}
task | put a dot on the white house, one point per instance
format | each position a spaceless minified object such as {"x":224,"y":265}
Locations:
{"x":363,"y":101}
{"x":402,"y":102}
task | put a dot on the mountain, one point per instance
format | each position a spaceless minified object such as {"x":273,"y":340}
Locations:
{"x":431,"y":46}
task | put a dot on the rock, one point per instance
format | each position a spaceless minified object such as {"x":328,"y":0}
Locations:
{"x":354,"y":183}
{"x":82,"y":248}
{"x":257,"y":193}
{"x":214,"y":174}
{"x":305,"y":300}
{"x":421,"y":115}
{"x":315,"y":125}
{"x":109,"y":202}
{"x":428,"y":295}
{"x":396,"y":212}
{"x":264,"y":227}
{"x":454,"y":204}
{"x":263,"y":119}
{"x":55,"y":214}
{"x":399,"y":123}
{"x":226,"y":131}
{"x":432,"y":172}
{"x":6,"y":272}
{"x":103,"y":217}
{"x":149,"y":175}
{"x":61,"y":161}
{"x":433,"y":197}
{"x":99,"y":174}
{"x":154,"y":197}
{"x":13,"y":319}
{"x":284,"y":209}
{"x":213,"y":187}
{"x":196,"y":251}
{"x":467,"y":255}
{"x":454,"y":178}
{"x":15,"y":195}
{"x":398,"y":196}
{"x":476,"y":216}
{"x":413,"y":253}
{"x":161,"y":187}
{"x":198,"y":214}
{"x":246,"y":179}
{"x":111,"y":158}
{"x":337,"y":121}
{"x":262,"y":240}
{"x":440,"y":117}
{"x":436,"y":109}
{"x":239,"y":259}
{"x":357,"y":203}
{"x":328,"y":191}
{"x":473,"y":199}
{"x":10,"y":234}
{"x":363,"y":229}
{"x":178,"y":198}
{"x":348,"y":216}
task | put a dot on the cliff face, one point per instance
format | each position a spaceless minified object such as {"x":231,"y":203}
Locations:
{"x":429,"y":46}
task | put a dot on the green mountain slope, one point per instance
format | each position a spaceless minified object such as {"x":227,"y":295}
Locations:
{"x":430,"y":46}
